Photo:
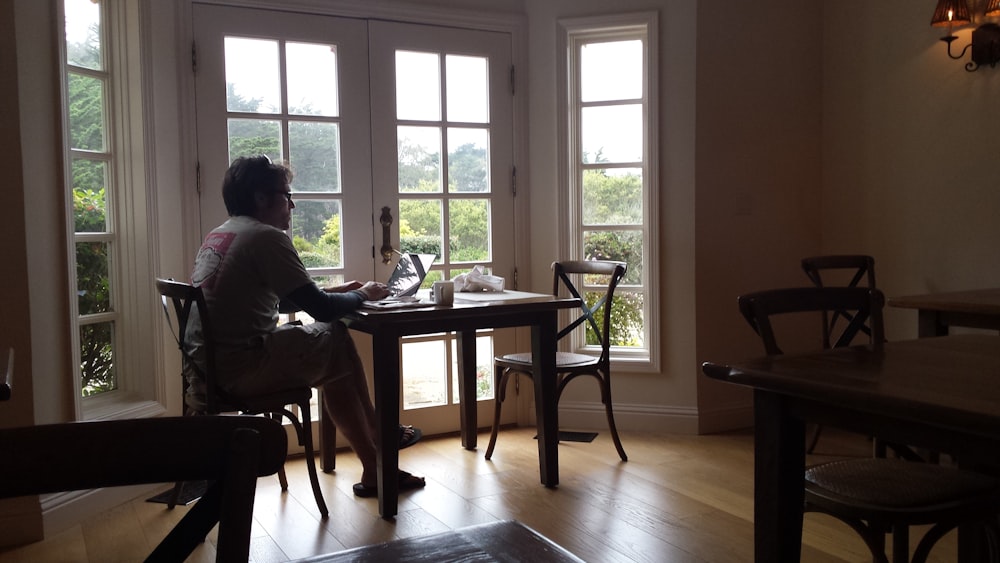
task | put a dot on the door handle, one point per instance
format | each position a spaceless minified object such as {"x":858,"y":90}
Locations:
{"x":386,"y":220}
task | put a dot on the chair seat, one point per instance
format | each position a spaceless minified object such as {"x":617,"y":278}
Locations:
{"x":564,"y":360}
{"x":264,"y":403}
{"x":896,"y":485}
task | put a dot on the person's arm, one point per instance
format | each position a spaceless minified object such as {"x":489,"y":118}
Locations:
{"x":326,"y":307}
{"x":322,"y":306}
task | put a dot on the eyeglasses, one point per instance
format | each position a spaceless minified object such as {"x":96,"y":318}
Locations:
{"x":288,"y":195}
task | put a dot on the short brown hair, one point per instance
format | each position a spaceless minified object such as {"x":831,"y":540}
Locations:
{"x":247,"y":176}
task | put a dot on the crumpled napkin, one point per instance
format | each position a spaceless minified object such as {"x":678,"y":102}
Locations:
{"x":477,"y":280}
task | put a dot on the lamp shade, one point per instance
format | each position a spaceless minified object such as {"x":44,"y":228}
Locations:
{"x":993,"y":8}
{"x":952,"y":12}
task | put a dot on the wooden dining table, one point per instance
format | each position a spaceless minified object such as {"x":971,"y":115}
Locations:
{"x":936,"y":312}
{"x":470,"y":312}
{"x":942,"y":393}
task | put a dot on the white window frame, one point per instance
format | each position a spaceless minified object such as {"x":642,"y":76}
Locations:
{"x":573,"y":33}
{"x":128,"y":153}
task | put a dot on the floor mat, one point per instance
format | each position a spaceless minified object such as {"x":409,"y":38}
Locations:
{"x":190,"y":492}
{"x":567,"y":436}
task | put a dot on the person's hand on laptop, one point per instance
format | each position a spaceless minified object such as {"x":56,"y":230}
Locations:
{"x":374,"y":291}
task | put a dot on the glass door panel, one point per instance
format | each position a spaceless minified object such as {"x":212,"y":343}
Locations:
{"x":450,"y":190}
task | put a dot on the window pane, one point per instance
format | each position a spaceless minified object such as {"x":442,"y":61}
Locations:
{"x":89,"y":196}
{"x":328,"y":281}
{"x":312,"y":79}
{"x":611,"y":71}
{"x":468,"y":89}
{"x":612,"y":133}
{"x":86,"y":113}
{"x":418,"y":86}
{"x":419,"y":153}
{"x":97,"y":367}
{"x":623,"y":246}
{"x":420,"y":226}
{"x":92,"y":267}
{"x":626,"y":319}
{"x":468,"y":160}
{"x":426,"y":379}
{"x":484,"y":369}
{"x":316,"y":233}
{"x":469,"y":227}
{"x":83,"y":33}
{"x":248,"y":137}
{"x":253,"y":79}
{"x":314,"y":155}
{"x":612,"y":196}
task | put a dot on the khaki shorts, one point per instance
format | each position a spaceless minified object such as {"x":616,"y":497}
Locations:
{"x":291,"y":356}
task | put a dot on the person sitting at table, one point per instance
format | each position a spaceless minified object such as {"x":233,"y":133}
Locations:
{"x":249,"y":272}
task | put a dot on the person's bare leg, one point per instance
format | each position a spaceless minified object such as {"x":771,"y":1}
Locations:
{"x":349,"y":405}
{"x":343,"y":405}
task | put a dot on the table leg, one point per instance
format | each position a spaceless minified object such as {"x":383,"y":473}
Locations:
{"x":779,"y":487}
{"x":327,"y":438}
{"x":543,"y":353}
{"x":468,"y":408}
{"x":385,"y":347}
{"x":929,"y":324}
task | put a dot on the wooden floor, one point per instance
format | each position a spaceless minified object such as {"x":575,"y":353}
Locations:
{"x":677,"y":499}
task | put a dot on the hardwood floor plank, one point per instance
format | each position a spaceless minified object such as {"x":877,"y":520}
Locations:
{"x":116,"y":535}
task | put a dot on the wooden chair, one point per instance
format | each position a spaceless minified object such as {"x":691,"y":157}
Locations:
{"x":876,"y":496}
{"x":203,"y":397}
{"x":229,"y":452}
{"x":858,"y":266}
{"x":571,"y":365}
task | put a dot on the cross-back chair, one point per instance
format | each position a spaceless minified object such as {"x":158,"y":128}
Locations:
{"x":181,"y":303}
{"x":876,"y":496}
{"x":847,"y":270}
{"x":859,"y":267}
{"x":229,"y":452}
{"x":570,"y":365}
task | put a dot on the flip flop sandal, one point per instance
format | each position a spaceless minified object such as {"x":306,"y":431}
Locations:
{"x":408,"y":435}
{"x":407,"y":482}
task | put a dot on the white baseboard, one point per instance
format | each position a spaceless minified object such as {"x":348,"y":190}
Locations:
{"x":61,"y":511}
{"x":645,"y":418}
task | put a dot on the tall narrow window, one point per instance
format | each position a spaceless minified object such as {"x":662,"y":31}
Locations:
{"x":611,"y":167}
{"x":87,"y":80}
{"x":106,"y":207}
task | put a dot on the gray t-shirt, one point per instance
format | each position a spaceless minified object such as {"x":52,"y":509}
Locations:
{"x":245,"y":267}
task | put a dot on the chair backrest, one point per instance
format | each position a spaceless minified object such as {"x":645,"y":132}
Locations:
{"x":604,"y":273}
{"x":863,"y":304}
{"x":187,"y":304}
{"x":230,"y":452}
{"x":857,"y":266}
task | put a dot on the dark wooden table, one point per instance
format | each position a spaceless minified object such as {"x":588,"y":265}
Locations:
{"x":941,"y":393}
{"x":496,"y":541}
{"x":469,"y":313}
{"x":977,"y":308}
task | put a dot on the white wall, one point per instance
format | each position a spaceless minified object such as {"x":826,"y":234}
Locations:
{"x":758,"y":173}
{"x":911,"y":161}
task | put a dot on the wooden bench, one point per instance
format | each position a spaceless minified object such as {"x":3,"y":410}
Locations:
{"x":506,"y":540}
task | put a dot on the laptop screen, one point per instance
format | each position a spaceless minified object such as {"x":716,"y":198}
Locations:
{"x":409,"y":273}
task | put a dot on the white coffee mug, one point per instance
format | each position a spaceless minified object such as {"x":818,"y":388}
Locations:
{"x":443,"y":292}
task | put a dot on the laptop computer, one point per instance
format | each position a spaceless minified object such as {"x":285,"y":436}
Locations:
{"x":409,"y":274}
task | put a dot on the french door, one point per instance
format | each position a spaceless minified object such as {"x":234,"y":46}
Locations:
{"x":400,"y":139}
